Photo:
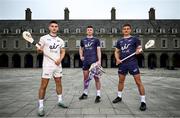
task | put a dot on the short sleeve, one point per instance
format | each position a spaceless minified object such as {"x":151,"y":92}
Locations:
{"x":118,"y":45}
{"x":98,"y":43}
{"x":41,"y":42}
{"x":81,"y":43}
{"x":63,"y":44}
{"x":138,"y":42}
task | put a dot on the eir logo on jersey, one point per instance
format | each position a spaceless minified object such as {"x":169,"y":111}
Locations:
{"x":53,"y":46}
{"x":89,"y":44}
{"x":125,"y":47}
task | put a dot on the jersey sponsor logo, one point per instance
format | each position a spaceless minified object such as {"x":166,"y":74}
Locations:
{"x":89,"y":44}
{"x":125,"y":47}
{"x":48,"y":39}
{"x":54,"y":46}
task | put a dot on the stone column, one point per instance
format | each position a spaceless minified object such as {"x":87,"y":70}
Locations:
{"x":145,"y":60}
{"x":72,"y":61}
{"x":10,"y":60}
{"x":109,"y":60}
{"x":34,"y":60}
{"x":22,"y":60}
{"x":170,"y":60}
{"x":158,"y":60}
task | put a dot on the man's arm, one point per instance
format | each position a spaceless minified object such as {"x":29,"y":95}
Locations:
{"x":81,"y":53}
{"x":62,"y":54}
{"x":99,"y":55}
{"x":117,"y":56}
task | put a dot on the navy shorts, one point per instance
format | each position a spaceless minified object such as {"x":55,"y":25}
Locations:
{"x":86,"y":65}
{"x":130,"y":67}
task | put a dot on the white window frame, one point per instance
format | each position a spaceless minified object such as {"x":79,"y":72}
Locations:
{"x":114,"y":42}
{"x":18,"y":31}
{"x":177,"y":43}
{"x":162,"y":30}
{"x":103,"y":42}
{"x":27,"y":45}
{"x":29,"y":30}
{"x":42,"y":31}
{"x":138,"y":30}
{"x":78,"y":30}
{"x":6,"y":31}
{"x":66,"y":31}
{"x":15,"y":44}
{"x":150,"y":30}
{"x":78,"y":43}
{"x":102,"y":30}
{"x":114,"y":30}
{"x":65,"y":42}
{"x":162,"y":43}
{"x":174,"y":30}
{"x":3,"y":44}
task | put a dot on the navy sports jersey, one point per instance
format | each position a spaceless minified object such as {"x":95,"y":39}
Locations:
{"x":128,"y":46}
{"x":90,"y":49}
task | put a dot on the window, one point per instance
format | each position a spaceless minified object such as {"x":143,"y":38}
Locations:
{"x":66,"y":31}
{"x":114,"y":30}
{"x":29,"y":30}
{"x":150,"y":30}
{"x":78,"y":30}
{"x":174,"y":31}
{"x":137,"y":30}
{"x":18,"y":31}
{"x":66,"y":43}
{"x":102,"y":30}
{"x":16,"y":44}
{"x":176,"y":43}
{"x":28,"y":45}
{"x":162,"y":30}
{"x":6,"y":31}
{"x":114,"y":42}
{"x":42,"y":31}
{"x":163,"y":43}
{"x":4,"y":43}
{"x":77,"y":43}
{"x":103,"y":44}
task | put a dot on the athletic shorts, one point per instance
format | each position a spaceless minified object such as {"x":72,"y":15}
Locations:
{"x":86,"y":65}
{"x":52,"y":72}
{"x":130,"y":67}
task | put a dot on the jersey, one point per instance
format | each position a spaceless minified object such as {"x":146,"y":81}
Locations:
{"x":89,"y":46}
{"x":51,"y":46}
{"x":128,"y":46}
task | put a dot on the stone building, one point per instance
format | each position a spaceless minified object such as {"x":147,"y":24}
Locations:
{"x":16,"y":52}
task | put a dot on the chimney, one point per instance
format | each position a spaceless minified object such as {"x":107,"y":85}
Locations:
{"x":152,"y":14}
{"x":66,"y":14}
{"x":113,"y":13}
{"x":28,"y":14}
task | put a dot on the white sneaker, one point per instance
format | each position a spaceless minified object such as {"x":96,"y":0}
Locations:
{"x":41,"y":112}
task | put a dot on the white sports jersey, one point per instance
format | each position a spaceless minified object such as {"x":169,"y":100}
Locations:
{"x":51,"y":46}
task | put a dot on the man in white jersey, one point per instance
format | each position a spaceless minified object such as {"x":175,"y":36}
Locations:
{"x":52,"y":45}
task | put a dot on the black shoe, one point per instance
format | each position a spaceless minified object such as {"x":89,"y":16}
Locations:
{"x":118,"y":99}
{"x":98,"y":99}
{"x":143,"y":106}
{"x":83,"y":96}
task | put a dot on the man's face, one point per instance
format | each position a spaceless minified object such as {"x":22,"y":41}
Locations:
{"x":89,"y":31}
{"x":53,"y":27}
{"x":126,"y":30}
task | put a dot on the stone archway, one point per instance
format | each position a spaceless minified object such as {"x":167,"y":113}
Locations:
{"x":28,"y":61}
{"x":152,"y":61}
{"x":16,"y":61}
{"x":164,"y":61}
{"x":66,"y":61}
{"x":4,"y":60}
{"x":104,"y":60}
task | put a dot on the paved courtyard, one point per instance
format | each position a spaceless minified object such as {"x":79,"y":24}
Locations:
{"x":19,"y":89}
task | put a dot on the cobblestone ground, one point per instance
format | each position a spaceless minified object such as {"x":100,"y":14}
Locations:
{"x":19,"y":89}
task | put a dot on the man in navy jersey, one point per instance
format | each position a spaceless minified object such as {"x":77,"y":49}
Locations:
{"x":124,"y":47}
{"x":90,"y":52}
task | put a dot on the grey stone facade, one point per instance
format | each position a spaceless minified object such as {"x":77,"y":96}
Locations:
{"x":16,"y":52}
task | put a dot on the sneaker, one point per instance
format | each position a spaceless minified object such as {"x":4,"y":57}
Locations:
{"x":62,"y":105}
{"x":41,"y":112}
{"x":143,"y":106}
{"x":83,"y":96}
{"x":118,"y":99}
{"x":98,"y":99}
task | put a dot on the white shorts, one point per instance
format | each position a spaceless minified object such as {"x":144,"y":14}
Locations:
{"x":52,"y":72}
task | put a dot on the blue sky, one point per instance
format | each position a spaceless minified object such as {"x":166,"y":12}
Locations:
{"x":89,"y":9}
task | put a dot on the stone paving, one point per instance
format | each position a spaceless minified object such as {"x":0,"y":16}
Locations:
{"x":19,"y":89}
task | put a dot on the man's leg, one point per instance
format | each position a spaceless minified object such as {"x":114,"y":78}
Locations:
{"x":42,"y":91}
{"x":140,"y":86}
{"x":120,"y":88}
{"x":85,"y":91}
{"x":59,"y":92}
{"x":98,"y":87}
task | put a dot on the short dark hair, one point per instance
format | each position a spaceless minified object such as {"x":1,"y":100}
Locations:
{"x":127,"y":24}
{"x":89,"y":26}
{"x":53,"y":21}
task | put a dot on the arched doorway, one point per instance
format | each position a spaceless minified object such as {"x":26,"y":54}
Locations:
{"x":28,"y":61}
{"x":39,"y":60}
{"x":77,"y":61}
{"x":164,"y":61}
{"x":152,"y":61}
{"x":176,"y":60}
{"x":113,"y":61}
{"x":4,"y":60}
{"x":16,"y":61}
{"x":104,"y":60}
{"x":66,"y":61}
{"x":140,"y":58}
